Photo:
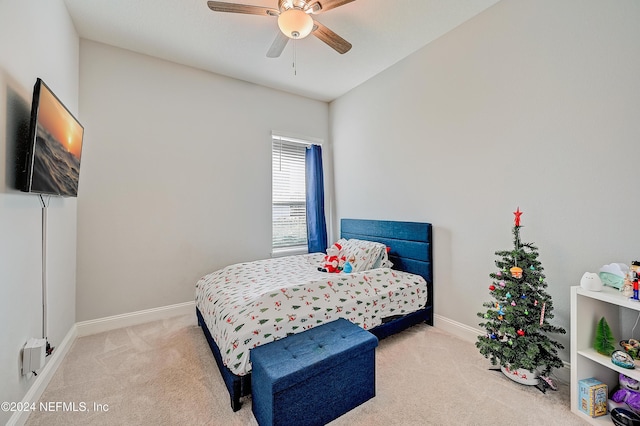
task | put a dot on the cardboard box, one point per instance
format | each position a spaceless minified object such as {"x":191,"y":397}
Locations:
{"x":592,"y":397}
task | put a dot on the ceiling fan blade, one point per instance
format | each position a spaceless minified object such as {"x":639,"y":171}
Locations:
{"x":336,"y":42}
{"x":324,"y":5}
{"x":220,"y":6}
{"x":278,"y":45}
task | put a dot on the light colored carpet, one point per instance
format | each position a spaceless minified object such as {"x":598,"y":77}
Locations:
{"x":163,"y":373}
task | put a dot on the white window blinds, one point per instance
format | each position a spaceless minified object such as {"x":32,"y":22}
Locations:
{"x":289,"y":217}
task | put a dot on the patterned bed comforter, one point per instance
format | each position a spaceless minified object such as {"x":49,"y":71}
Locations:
{"x":250,"y":304}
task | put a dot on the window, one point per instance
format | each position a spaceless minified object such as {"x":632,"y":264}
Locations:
{"x":289,"y":215}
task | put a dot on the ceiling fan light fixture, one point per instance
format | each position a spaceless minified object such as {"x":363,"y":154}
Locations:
{"x":295,"y":23}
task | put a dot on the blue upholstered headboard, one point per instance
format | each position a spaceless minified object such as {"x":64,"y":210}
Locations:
{"x":409,"y":242}
{"x":411,"y":250}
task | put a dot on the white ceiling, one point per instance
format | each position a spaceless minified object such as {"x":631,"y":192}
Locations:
{"x":382,"y":33}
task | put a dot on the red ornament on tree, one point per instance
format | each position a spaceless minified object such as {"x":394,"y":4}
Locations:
{"x":492,"y":287}
{"x":520,"y":332}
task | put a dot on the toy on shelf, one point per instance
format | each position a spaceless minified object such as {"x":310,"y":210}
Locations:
{"x":631,"y":346}
{"x":622,"y":417}
{"x":622,"y":359}
{"x":630,"y":283}
{"x":627,"y":288}
{"x":628,"y":392}
{"x":591,"y":281}
{"x":612,"y":275}
{"x":635,"y":275}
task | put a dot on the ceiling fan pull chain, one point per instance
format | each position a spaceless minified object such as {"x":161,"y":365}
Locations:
{"x":295,"y":70}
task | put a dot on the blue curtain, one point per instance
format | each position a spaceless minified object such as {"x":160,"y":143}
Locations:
{"x":316,"y":222}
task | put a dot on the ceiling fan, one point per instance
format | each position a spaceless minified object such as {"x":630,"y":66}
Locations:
{"x":294,"y":20}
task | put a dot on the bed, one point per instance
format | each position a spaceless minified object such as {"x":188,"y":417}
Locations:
{"x":233,"y":320}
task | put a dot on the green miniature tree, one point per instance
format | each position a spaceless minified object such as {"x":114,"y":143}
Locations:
{"x":517,"y":319}
{"x":603,"y":342}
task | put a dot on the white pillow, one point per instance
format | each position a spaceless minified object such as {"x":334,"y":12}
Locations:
{"x":364,"y":255}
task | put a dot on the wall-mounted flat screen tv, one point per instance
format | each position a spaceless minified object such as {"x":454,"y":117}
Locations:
{"x":54,"y":147}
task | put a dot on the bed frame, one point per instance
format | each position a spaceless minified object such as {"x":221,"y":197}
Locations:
{"x":410,"y":250}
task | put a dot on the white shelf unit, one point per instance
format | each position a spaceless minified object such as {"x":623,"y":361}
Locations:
{"x":587,"y":307}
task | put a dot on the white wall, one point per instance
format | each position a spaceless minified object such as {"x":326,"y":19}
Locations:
{"x":38,"y":40}
{"x":529,"y":104}
{"x":176,"y":176}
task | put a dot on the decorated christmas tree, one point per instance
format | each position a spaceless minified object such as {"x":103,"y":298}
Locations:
{"x":517,"y":319}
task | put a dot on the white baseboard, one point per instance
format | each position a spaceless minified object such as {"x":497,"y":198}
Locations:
{"x":34,"y":393}
{"x":470,"y":334}
{"x":86,"y":328}
{"x":463,"y":331}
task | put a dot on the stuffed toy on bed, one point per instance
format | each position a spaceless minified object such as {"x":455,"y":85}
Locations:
{"x":347,"y":268}
{"x":333,"y":261}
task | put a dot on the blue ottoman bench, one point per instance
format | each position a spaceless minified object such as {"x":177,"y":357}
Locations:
{"x":313,"y":377}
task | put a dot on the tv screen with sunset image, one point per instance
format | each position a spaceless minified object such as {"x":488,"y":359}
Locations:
{"x":56,"y":137}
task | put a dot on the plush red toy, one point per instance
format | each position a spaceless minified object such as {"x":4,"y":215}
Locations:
{"x":332,"y":261}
